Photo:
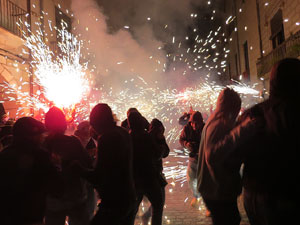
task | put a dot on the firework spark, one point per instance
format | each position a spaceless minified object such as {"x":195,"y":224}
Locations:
{"x":63,"y":78}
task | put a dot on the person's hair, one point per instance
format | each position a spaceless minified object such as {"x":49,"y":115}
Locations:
{"x":82,"y":125}
{"x":55,"y":120}
{"x":101,"y":117}
{"x":285,"y":78}
{"x":130,"y":110}
{"x":155,"y":124}
{"x":229,"y":101}
{"x":26,"y":127}
{"x":196,"y":117}
{"x":135,"y":121}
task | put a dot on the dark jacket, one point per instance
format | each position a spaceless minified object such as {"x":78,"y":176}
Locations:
{"x":69,"y":150}
{"x":217,"y":180}
{"x":113,"y":177}
{"x":27,"y":177}
{"x":267,"y":139}
{"x":144,"y":158}
{"x":193,"y":137}
{"x":163,"y":151}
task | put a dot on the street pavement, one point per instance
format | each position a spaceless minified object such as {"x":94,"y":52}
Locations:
{"x":178,"y":210}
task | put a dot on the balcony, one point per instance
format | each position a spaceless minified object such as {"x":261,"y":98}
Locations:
{"x":10,"y":14}
{"x":289,"y":48}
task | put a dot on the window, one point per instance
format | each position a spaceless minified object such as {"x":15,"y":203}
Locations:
{"x":246,"y":73}
{"x":277,"y":29}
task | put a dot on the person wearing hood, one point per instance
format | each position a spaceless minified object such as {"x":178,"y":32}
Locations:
{"x":156,"y":132}
{"x":220,"y":185}
{"x":146,"y":177}
{"x":266,"y":142}
{"x":185,"y":118}
{"x":112,"y":176}
{"x":190,"y":139}
{"x":125,"y":123}
{"x":27,"y":175}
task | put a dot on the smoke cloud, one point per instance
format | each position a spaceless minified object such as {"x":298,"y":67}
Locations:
{"x":129,"y":38}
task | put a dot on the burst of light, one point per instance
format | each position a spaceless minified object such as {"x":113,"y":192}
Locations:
{"x":63,"y":78}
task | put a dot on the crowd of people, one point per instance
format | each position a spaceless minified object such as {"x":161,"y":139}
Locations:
{"x":49,"y":177}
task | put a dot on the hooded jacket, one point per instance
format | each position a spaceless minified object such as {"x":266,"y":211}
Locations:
{"x":190,"y":138}
{"x":266,"y":140}
{"x":216,"y":180}
{"x":193,"y":137}
{"x":113,"y":174}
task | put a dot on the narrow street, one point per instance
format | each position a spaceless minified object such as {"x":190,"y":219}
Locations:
{"x":178,"y":210}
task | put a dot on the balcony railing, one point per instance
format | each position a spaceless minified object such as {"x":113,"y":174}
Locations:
{"x":289,"y":48}
{"x":10,"y":14}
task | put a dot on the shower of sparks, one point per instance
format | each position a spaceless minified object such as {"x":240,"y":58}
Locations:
{"x":169,"y":104}
{"x":62,"y":79}
{"x":23,"y":98}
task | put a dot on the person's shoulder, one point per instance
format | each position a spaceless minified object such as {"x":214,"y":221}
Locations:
{"x":260,"y":106}
{"x":42,"y":154}
{"x":54,"y":137}
{"x":73,"y":139}
{"x":124,"y":123}
{"x":121,"y":129}
{"x":113,"y":134}
{"x":66,"y":138}
{"x":62,"y":141}
{"x":255,"y":111}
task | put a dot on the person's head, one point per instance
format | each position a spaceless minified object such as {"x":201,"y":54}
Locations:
{"x":229,"y":103}
{"x":83,"y":129}
{"x":196,"y":120}
{"x":285,"y":78}
{"x":130,"y":110}
{"x":156,"y":127}
{"x":101,"y":118}
{"x":10,"y":122}
{"x":55,"y":120}
{"x":135,"y":121}
{"x":28,"y":130}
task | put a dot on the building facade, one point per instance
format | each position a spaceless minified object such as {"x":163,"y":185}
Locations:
{"x":259,"y":33}
{"x":14,"y":64}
